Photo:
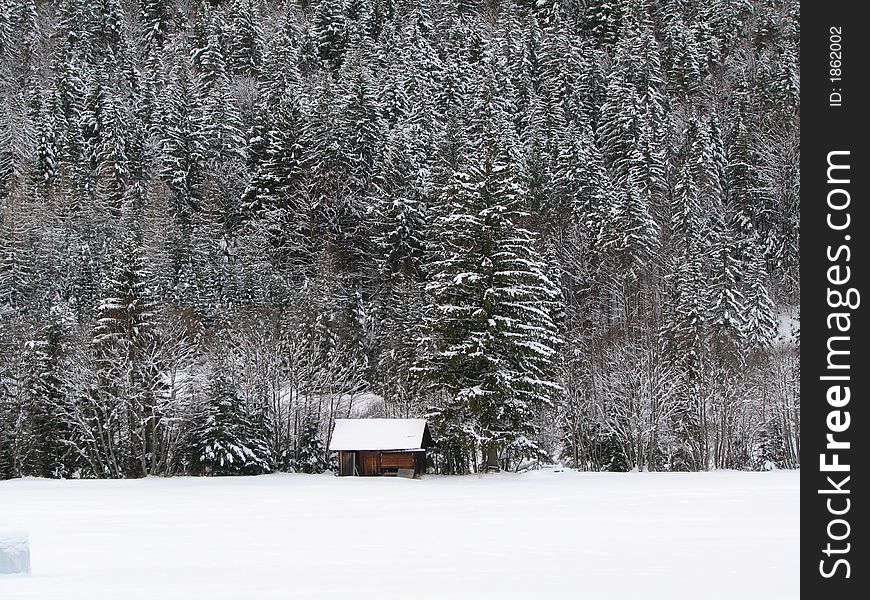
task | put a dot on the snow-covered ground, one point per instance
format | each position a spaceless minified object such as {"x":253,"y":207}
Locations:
{"x":534,"y":536}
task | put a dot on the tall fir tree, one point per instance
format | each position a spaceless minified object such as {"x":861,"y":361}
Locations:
{"x":491,"y":333}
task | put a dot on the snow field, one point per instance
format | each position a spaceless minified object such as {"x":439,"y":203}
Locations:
{"x":533,"y":536}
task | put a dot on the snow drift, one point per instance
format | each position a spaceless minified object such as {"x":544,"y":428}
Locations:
{"x":14,"y":552}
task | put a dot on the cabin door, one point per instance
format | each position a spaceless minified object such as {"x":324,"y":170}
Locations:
{"x":369,"y":463}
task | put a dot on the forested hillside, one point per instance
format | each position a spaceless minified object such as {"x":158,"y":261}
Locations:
{"x":562,"y":230}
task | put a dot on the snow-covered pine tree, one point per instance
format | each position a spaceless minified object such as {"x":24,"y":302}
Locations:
{"x":699,"y":228}
{"x":787,"y":85}
{"x":360,"y":121}
{"x":126,"y":373}
{"x":580,"y":177}
{"x":16,"y":257}
{"x":634,"y":100}
{"x":246,"y":53}
{"x":401,"y":207}
{"x":629,"y":133}
{"x":311,"y":454}
{"x":50,"y":456}
{"x":112,"y":164}
{"x":682,"y":58}
{"x":223,"y":439}
{"x":330,"y":33}
{"x":156,"y":17}
{"x":5,"y":27}
{"x":275,"y":196}
{"x":74,"y":173}
{"x":399,"y":330}
{"x":747,"y":195}
{"x":628,"y":232}
{"x":44,"y":166}
{"x":14,"y":439}
{"x":760,"y":324}
{"x":341,"y":142}
{"x":490,"y":337}
{"x":221,"y":128}
{"x":539,"y":148}
{"x":280,"y":70}
{"x":686,"y":319}
{"x":122,"y":373}
{"x":109,"y":31}
{"x":724,"y":293}
{"x":23,"y":33}
{"x":686,"y":328}
{"x":604,"y":18}
{"x":183,"y":154}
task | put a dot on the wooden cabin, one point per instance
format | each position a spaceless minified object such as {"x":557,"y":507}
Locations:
{"x":371,"y":447}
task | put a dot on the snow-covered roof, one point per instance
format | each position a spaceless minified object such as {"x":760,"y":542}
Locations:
{"x":378,"y":434}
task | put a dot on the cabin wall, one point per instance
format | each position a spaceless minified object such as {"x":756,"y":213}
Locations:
{"x":346,"y":463}
{"x":397,"y":460}
{"x":369,"y":463}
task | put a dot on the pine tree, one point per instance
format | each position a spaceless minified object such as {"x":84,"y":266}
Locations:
{"x":633,"y":99}
{"x":746,"y":194}
{"x":223,"y":439}
{"x":580,"y":179}
{"x":686,"y":325}
{"x":6,"y":44}
{"x":491,"y":333}
{"x":23,"y":33}
{"x":124,"y":343}
{"x":280,"y":72}
{"x":724,"y":294}
{"x":680,"y":52}
{"x":183,"y":146}
{"x":50,"y":456}
{"x":341,"y":140}
{"x":705,"y":157}
{"x":330,"y":33}
{"x":273,"y":194}
{"x":311,"y":453}
{"x":399,"y":329}
{"x":16,"y":266}
{"x":361,"y":124}
{"x":604,"y":19}
{"x":45,"y":168}
{"x":401,"y":208}
{"x":787,"y":85}
{"x":245,"y":38}
{"x":109,"y":28}
{"x":221,"y":129}
{"x":628,"y":231}
{"x":760,"y":324}
{"x":112,"y":165}
{"x":156,"y":17}
{"x":538,"y":150}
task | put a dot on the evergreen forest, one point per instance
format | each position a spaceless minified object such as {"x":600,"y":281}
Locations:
{"x":563,"y":231}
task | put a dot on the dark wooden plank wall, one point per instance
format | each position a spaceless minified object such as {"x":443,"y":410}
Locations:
{"x":397,"y":460}
{"x":368,"y":463}
{"x":345,"y":463}
{"x":375,"y":462}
